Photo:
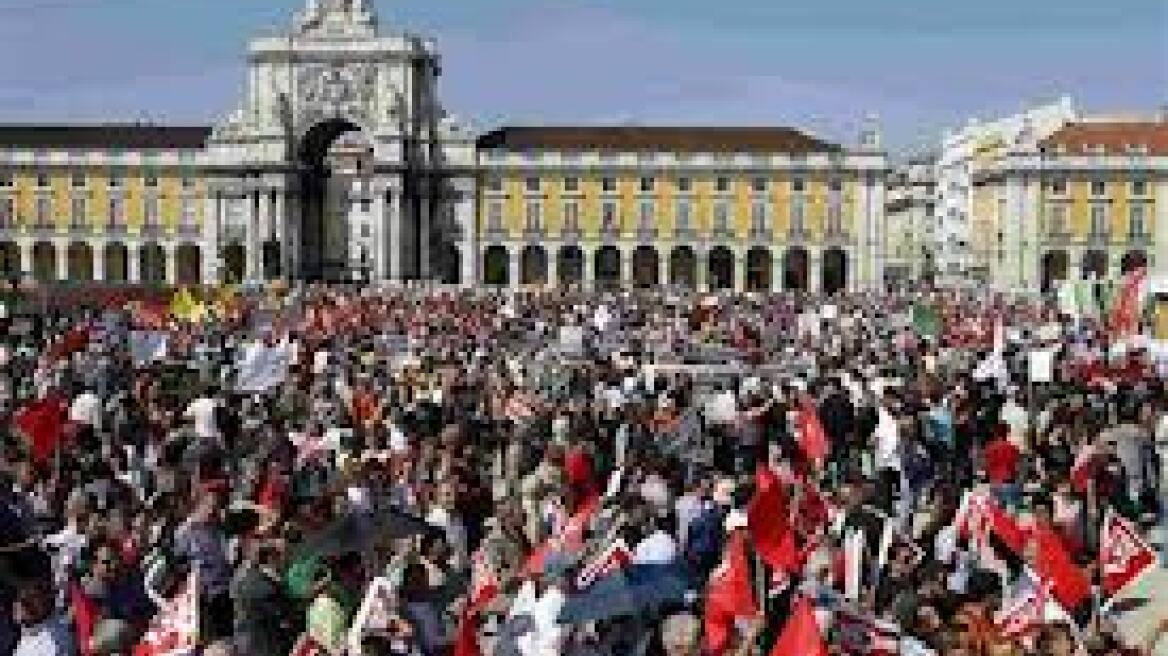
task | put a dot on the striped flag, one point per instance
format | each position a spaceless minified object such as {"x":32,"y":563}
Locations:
{"x":864,"y":635}
{"x":174,"y":631}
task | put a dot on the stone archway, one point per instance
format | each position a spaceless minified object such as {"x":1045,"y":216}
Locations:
{"x":452,"y":269}
{"x":44,"y":262}
{"x":188,"y":264}
{"x":1055,"y":265}
{"x":80,"y":262}
{"x":645,"y":267}
{"x":152,"y":263}
{"x":234,"y":263}
{"x":570,"y":265}
{"x":496,"y":266}
{"x":329,"y":154}
{"x":9,"y":261}
{"x":608,"y":267}
{"x":835,"y":271}
{"x":795,"y":273}
{"x":116,"y":261}
{"x":533,"y":265}
{"x":759,"y":265}
{"x":683,"y":267}
{"x":721,"y":268}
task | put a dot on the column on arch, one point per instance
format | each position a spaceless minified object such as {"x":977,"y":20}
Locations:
{"x":170,"y":252}
{"x":133,"y":262}
{"x":61,"y":246}
{"x":513,"y":270}
{"x":814,"y":270}
{"x":378,"y":269}
{"x":588,"y":271}
{"x":97,"y":248}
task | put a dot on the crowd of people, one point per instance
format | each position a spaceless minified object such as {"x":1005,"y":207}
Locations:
{"x":331,"y":470}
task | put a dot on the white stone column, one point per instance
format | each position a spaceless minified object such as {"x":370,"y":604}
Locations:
{"x":290,"y":251}
{"x":464,"y":217}
{"x":251,"y":238}
{"x":170,"y":251}
{"x":378,"y":267}
{"x":553,"y":268}
{"x":394,"y":247}
{"x":427,"y":203}
{"x":741,"y":271}
{"x":777,"y":270}
{"x":98,"y":250}
{"x":588,"y":271}
{"x":61,"y":246}
{"x":133,"y":262}
{"x":26,"y":261}
{"x":663,"y":267}
{"x":701,"y":269}
{"x":814,"y":270}
{"x":626,"y":267}
{"x":280,"y":229}
{"x":512,"y":267}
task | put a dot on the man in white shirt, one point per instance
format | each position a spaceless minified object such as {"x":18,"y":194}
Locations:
{"x":202,"y":412}
{"x":657,"y":548}
{"x":86,"y":410}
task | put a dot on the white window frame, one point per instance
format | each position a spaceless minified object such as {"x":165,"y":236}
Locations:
{"x":1137,"y":216}
{"x":684,"y":215}
{"x":44,"y":212}
{"x":759,"y":215}
{"x":1098,"y":219}
{"x":533,"y":216}
{"x":721,"y":220}
{"x":571,"y":216}
{"x":77,"y":211}
{"x":495,"y":216}
{"x":647,"y":210}
{"x":609,"y":221}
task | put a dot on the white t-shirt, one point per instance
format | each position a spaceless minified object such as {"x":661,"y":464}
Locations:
{"x":86,"y":409}
{"x":659,"y":548}
{"x":202,"y":411}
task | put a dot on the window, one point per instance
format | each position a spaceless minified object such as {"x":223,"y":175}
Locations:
{"x":117,"y":215}
{"x":646,"y":215}
{"x":758,"y":217}
{"x":365,"y":232}
{"x":5,"y":178}
{"x":1135,"y":224}
{"x":835,"y":185}
{"x":151,"y":211}
{"x":77,"y":211}
{"x":533,"y":217}
{"x":798,"y":185}
{"x":1139,"y":187}
{"x":188,"y":182}
{"x":571,"y":183}
{"x":44,"y":213}
{"x":685,"y":184}
{"x":683,"y":215}
{"x":1098,"y":188}
{"x":532,"y":184}
{"x":495,"y":183}
{"x":78,"y":179}
{"x":115,"y":180}
{"x":1098,"y":220}
{"x":1058,"y":219}
{"x":6,"y":213}
{"x":722,"y":184}
{"x":151,"y":181}
{"x":366,"y":205}
{"x":608,"y":217}
{"x":835,"y":217}
{"x":495,"y":217}
{"x":758,"y":185}
{"x":187,"y":212}
{"x":721,"y":217}
{"x":608,"y":184}
{"x":571,"y":217}
{"x":797,"y":211}
{"x":647,"y":185}
{"x":42,"y":180}
{"x":1058,"y":186}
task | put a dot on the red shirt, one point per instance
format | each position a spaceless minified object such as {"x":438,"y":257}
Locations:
{"x":1001,"y":461}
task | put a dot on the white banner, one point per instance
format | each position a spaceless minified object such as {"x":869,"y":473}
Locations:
{"x":1042,"y":366}
{"x":263,"y":367}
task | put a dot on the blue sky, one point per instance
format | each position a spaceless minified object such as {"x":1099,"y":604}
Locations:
{"x":920,"y":65}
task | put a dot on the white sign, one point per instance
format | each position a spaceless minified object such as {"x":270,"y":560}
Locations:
{"x":1041,"y":366}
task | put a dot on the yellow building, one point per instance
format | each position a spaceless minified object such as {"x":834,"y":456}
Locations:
{"x":1091,"y":202}
{"x":709,"y":208}
{"x":106,"y":203}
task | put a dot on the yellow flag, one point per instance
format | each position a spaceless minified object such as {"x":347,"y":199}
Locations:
{"x":184,"y":307}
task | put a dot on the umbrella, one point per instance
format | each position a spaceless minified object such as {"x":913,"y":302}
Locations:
{"x":635,"y":590}
{"x":359,"y":532}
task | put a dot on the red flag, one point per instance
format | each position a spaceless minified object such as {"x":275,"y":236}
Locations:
{"x":1083,"y":469}
{"x":728,"y":596}
{"x":84,"y":618}
{"x":1006,"y":527}
{"x":1124,"y":556}
{"x":1125,"y":315}
{"x":484,"y":586}
{"x":466,"y":638}
{"x":43,"y":423}
{"x":770,"y":527}
{"x":812,"y":437}
{"x":612,"y":559}
{"x":77,"y":339}
{"x":1053,"y":563}
{"x":174,"y":631}
{"x":802,"y":635}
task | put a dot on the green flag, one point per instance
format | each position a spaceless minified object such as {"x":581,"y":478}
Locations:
{"x":925,"y":320}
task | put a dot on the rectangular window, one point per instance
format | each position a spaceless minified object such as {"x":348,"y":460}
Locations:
{"x":608,"y":184}
{"x":646,"y":218}
{"x":365,"y":232}
{"x":1098,"y":220}
{"x":151,"y":211}
{"x":1135,"y":224}
{"x":722,"y":184}
{"x":188,"y":182}
{"x":187,"y":216}
{"x":42,"y":180}
{"x":683,"y":215}
{"x":571,"y":217}
{"x":647,"y":185}
{"x":835,"y":216}
{"x":1139,"y":187}
{"x":1058,"y":219}
{"x":1058,"y":186}
{"x":758,"y":217}
{"x":494,"y":183}
{"x":6,"y":218}
{"x":722,"y":218}
{"x":1098,"y":187}
{"x":78,"y":212}
{"x":798,"y":185}
{"x":835,"y":185}
{"x":5,"y":178}
{"x":151,"y":181}
{"x":571,"y":184}
{"x":78,"y":179}
{"x":758,"y":185}
{"x":532,"y":185}
{"x":608,"y":217}
{"x":533,"y":217}
{"x":366,"y":205}
{"x":495,"y":217}
{"x":685,"y":184}
{"x":44,"y":212}
{"x":797,"y":211}
{"x":115,"y":180}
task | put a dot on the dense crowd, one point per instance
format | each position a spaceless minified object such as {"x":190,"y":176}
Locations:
{"x":403,"y":471}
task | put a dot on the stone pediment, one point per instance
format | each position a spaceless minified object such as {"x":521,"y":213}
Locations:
{"x":336,"y":19}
